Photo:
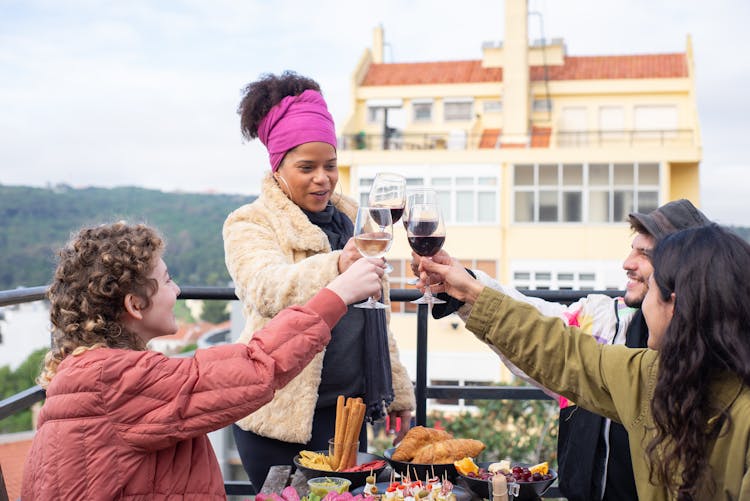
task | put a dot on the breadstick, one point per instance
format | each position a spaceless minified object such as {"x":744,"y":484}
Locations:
{"x":338,"y":434}
{"x":353,"y":427}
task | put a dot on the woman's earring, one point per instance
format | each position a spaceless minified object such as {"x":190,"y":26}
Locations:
{"x":288,"y":192}
{"x":339,"y":193}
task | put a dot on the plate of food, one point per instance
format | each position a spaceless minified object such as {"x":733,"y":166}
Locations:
{"x":432,"y":489}
{"x":533,"y":481}
{"x":314,"y":464}
{"x":429,"y":452}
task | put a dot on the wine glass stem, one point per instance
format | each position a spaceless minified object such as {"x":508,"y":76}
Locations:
{"x":427,"y":291}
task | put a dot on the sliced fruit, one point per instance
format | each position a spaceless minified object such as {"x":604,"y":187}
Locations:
{"x":465,"y":466}
{"x":541,"y":468}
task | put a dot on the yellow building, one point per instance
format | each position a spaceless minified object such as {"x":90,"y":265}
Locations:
{"x":537,"y":157}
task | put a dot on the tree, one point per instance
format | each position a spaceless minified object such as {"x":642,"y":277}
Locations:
{"x":215,"y":311}
{"x":12,"y":382}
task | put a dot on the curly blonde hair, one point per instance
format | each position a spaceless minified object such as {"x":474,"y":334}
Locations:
{"x":97,"y":268}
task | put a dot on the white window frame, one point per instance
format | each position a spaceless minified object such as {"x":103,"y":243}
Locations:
{"x":433,"y":172}
{"x":458,"y":101}
{"x":415,"y":103}
{"x":633,"y":189}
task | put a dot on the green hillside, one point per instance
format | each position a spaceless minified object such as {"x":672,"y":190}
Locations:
{"x":34,"y":222}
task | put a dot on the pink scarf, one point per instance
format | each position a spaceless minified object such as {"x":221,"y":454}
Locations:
{"x":293,"y":121}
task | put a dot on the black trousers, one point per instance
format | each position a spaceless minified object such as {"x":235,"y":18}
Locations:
{"x":258,"y":453}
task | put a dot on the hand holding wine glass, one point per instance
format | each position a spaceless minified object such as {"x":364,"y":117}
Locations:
{"x":373,"y":234}
{"x":417,"y":196}
{"x":426,"y":234}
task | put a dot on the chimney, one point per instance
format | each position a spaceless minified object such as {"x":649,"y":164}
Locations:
{"x":377,"y":45}
{"x":516,"y":74}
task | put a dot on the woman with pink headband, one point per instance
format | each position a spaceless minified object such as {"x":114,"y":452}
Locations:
{"x":282,"y":249}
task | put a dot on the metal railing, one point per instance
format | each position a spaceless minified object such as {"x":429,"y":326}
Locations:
{"x":25,"y":399}
{"x":400,"y":141}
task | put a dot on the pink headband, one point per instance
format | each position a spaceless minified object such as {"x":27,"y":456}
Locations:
{"x":293,"y":121}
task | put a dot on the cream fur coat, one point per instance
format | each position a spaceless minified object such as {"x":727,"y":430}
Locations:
{"x":278,"y":258}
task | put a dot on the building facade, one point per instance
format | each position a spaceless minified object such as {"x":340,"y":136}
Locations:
{"x":537,"y":157}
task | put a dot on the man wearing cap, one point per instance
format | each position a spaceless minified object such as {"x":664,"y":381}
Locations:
{"x":593,"y":452}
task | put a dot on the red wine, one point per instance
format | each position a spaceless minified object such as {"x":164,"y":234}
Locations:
{"x":396,"y":213}
{"x":423,"y":227}
{"x":426,"y":246}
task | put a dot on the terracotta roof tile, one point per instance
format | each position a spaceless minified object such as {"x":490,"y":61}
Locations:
{"x":575,"y":68}
{"x":12,"y":456}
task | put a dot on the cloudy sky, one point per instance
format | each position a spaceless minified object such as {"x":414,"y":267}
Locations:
{"x":137,"y":92}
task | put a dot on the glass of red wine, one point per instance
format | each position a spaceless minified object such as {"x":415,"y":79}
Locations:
{"x":373,"y":234}
{"x":425,"y":231}
{"x":417,"y":196}
{"x":389,"y":191}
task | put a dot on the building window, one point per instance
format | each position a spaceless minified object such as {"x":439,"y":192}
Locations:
{"x":493,"y":106}
{"x":422,"y":110}
{"x":583,"y":193}
{"x":655,"y":122}
{"x":611,"y":122}
{"x":454,"y":110}
{"x":375,"y":115}
{"x":573,"y":126}
{"x":554,"y":280}
{"x":541,"y":105}
{"x":462,"y":199}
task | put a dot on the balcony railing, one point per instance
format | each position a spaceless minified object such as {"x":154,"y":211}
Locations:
{"x":537,"y":138}
{"x":25,"y":399}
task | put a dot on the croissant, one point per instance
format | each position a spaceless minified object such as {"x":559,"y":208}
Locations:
{"x":448,"y":451}
{"x":415,"y":439}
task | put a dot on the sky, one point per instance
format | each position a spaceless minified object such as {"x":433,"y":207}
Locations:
{"x":144,"y":93}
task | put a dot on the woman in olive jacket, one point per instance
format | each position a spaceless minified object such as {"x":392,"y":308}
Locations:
{"x":685,"y":401}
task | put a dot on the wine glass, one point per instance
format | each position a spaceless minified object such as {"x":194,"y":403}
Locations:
{"x":373,"y":234}
{"x":417,"y":196}
{"x":388,"y":190}
{"x":425,"y":230}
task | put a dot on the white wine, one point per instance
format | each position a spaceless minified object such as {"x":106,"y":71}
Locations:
{"x":374,"y":244}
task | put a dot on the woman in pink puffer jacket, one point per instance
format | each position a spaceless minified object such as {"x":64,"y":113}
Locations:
{"x":122,"y":422}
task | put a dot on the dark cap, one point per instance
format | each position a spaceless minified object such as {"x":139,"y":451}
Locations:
{"x":669,"y":218}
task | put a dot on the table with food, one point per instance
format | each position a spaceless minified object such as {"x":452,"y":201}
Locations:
{"x":429,"y":464}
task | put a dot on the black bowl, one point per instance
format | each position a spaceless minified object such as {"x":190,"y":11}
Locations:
{"x":420,"y":471}
{"x":527,"y":491}
{"x":357,"y":478}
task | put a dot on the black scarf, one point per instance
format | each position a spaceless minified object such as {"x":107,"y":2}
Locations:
{"x":377,"y":359}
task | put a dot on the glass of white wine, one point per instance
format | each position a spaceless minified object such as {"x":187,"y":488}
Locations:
{"x":373,"y":234}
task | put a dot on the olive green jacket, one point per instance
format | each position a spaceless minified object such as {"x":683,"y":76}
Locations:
{"x":616,"y":382}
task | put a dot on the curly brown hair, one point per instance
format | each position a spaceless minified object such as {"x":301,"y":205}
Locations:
{"x":707,"y":269}
{"x":265,"y":93}
{"x":97,"y":268}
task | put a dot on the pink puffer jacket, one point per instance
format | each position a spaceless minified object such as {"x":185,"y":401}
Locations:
{"x":120,"y":424}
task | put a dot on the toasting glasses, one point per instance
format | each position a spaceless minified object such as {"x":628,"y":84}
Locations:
{"x":389,"y":191}
{"x":425,"y":230}
{"x":417,"y":196}
{"x":373,"y":234}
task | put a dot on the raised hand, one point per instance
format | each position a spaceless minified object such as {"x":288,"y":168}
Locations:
{"x":456,"y":281}
{"x":360,"y":280}
{"x":349,"y":255}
